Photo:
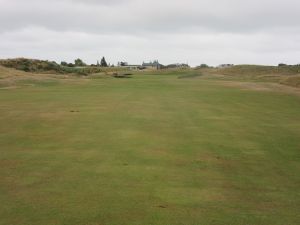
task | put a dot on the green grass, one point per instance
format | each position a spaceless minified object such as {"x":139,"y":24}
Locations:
{"x":151,"y":150}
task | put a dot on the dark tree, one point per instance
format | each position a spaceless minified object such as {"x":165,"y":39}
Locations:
{"x":103,"y":62}
{"x":282,"y":64}
{"x":204,"y":66}
{"x":64,"y":63}
{"x":122,"y":64}
{"x":79,"y":62}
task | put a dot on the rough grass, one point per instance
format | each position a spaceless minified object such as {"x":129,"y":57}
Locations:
{"x":292,"y":81}
{"x":251,"y":70}
{"x":148,"y":150}
{"x":287,"y":75}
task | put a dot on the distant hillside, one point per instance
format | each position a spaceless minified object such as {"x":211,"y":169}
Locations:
{"x":291,"y":81}
{"x":260,"y":70}
{"x":288,"y":75}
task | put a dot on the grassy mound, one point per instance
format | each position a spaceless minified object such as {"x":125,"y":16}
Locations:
{"x":8,"y":72}
{"x":292,"y":81}
{"x":252,"y":70}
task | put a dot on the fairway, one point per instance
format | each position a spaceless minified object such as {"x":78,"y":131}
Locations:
{"x":149,"y":150}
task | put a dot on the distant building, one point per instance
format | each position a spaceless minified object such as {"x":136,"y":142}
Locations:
{"x":128,"y":66}
{"x":133,"y":67}
{"x":152,"y":65}
{"x":176,"y":65}
{"x":122,"y":63}
{"x":225,"y":65}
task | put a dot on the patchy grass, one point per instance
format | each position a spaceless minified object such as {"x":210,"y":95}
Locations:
{"x":291,"y":81}
{"x":250,"y":70}
{"x":190,"y":75}
{"x":148,"y":150}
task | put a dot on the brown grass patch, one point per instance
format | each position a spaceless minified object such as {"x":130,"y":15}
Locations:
{"x":271,"y":87}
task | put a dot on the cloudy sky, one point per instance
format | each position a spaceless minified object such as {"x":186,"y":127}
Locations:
{"x":193,"y":31}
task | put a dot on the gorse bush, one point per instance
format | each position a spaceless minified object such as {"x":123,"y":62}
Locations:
{"x":32,"y":65}
{"x":43,"y":66}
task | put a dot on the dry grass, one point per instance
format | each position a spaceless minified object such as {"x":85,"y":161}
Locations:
{"x":255,"y":86}
{"x":12,"y":78}
{"x":291,"y":81}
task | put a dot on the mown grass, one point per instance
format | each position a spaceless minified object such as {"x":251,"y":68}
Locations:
{"x":148,"y":150}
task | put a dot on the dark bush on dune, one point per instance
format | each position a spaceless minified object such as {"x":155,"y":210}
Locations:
{"x":32,"y":65}
{"x":45,"y":66}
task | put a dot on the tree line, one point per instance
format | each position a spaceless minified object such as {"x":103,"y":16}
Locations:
{"x":79,"y":63}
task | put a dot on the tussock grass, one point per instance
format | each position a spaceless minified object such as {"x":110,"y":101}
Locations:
{"x":254,"y":70}
{"x":292,"y":81}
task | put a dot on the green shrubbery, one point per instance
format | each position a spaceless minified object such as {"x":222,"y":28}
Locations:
{"x":43,"y":66}
{"x":32,"y":65}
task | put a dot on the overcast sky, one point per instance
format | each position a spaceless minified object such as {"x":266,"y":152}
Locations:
{"x":193,"y":31}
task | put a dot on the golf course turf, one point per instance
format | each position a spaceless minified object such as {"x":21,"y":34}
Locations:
{"x":149,"y":150}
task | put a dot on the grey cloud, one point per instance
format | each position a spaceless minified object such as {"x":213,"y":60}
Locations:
{"x":211,"y":31}
{"x":101,"y":2}
{"x":140,"y":16}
